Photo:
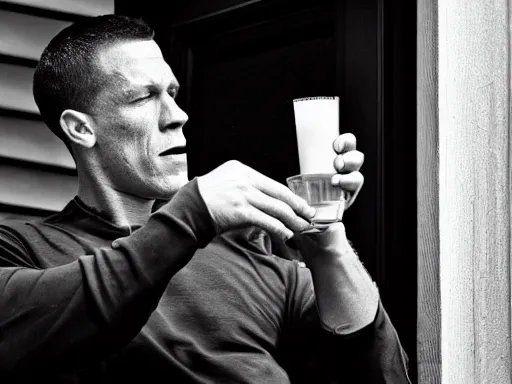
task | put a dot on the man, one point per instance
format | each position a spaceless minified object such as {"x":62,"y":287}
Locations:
{"x":108,"y":292}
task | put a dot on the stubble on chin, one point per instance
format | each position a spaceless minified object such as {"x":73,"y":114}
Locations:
{"x":173,"y":186}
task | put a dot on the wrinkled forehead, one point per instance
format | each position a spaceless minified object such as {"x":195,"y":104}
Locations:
{"x":135,"y":63}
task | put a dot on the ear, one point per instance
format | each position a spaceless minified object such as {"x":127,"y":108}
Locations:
{"x":78,"y":128}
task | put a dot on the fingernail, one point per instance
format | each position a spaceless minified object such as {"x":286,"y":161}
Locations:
{"x":311,"y":212}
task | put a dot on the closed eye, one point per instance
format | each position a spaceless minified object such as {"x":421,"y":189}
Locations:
{"x":144,"y":97}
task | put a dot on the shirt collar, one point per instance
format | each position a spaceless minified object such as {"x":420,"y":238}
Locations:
{"x":78,"y":215}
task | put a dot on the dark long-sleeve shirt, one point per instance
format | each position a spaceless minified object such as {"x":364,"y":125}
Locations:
{"x":173,"y":302}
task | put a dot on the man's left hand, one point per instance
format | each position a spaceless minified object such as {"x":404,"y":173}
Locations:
{"x":347,"y":163}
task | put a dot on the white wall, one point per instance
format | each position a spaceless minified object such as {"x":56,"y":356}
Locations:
{"x":464,"y":185}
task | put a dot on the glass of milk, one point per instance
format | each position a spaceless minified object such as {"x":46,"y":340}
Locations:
{"x":317,"y":126}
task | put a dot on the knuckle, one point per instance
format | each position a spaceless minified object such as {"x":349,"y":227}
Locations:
{"x":357,"y":156}
{"x":350,"y":136}
{"x":296,"y":203}
{"x":338,"y":144}
{"x":238,"y":201}
{"x":242,"y":187}
{"x":287,"y":210}
{"x":233,"y":164}
{"x":237,"y":204}
{"x":339,"y":161}
{"x":244,"y":214}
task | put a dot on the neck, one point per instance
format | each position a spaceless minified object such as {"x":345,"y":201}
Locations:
{"x":122,"y":208}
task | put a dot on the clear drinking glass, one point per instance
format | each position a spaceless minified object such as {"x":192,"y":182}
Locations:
{"x":316,"y":189}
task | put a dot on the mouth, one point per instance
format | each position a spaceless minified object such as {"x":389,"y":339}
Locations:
{"x":174,"y":151}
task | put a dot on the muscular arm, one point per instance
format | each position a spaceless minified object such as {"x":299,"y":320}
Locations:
{"x":349,"y":331}
{"x":70,"y":315}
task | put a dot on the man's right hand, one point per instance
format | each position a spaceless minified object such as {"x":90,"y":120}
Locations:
{"x":238,"y":196}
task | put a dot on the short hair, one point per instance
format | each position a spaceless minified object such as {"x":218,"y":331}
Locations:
{"x":67,"y":75}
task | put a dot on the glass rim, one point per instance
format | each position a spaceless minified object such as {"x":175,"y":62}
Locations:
{"x":306,"y":176}
{"x":316,"y":98}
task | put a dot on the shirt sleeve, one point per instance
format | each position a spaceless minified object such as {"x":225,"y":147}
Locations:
{"x":71,"y":315}
{"x":370,"y":355}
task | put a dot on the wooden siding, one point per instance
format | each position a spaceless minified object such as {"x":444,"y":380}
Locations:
{"x":79,"y":7}
{"x":16,"y":86}
{"x":37,"y":173}
{"x":32,"y":188}
{"x":31,"y":140}
{"x":20,"y":41}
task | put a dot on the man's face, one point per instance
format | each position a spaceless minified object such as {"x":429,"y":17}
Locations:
{"x":139,"y":126}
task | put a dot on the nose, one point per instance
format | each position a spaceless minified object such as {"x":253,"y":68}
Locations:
{"x":172,"y":116}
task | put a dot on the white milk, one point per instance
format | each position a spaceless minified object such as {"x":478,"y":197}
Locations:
{"x":317,"y":126}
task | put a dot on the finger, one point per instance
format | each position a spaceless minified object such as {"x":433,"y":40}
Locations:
{"x":270,"y":224}
{"x":280,"y":192}
{"x":336,"y":227}
{"x":351,"y":182}
{"x":344,"y":143}
{"x":349,"y":161}
{"x":279,"y":210}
